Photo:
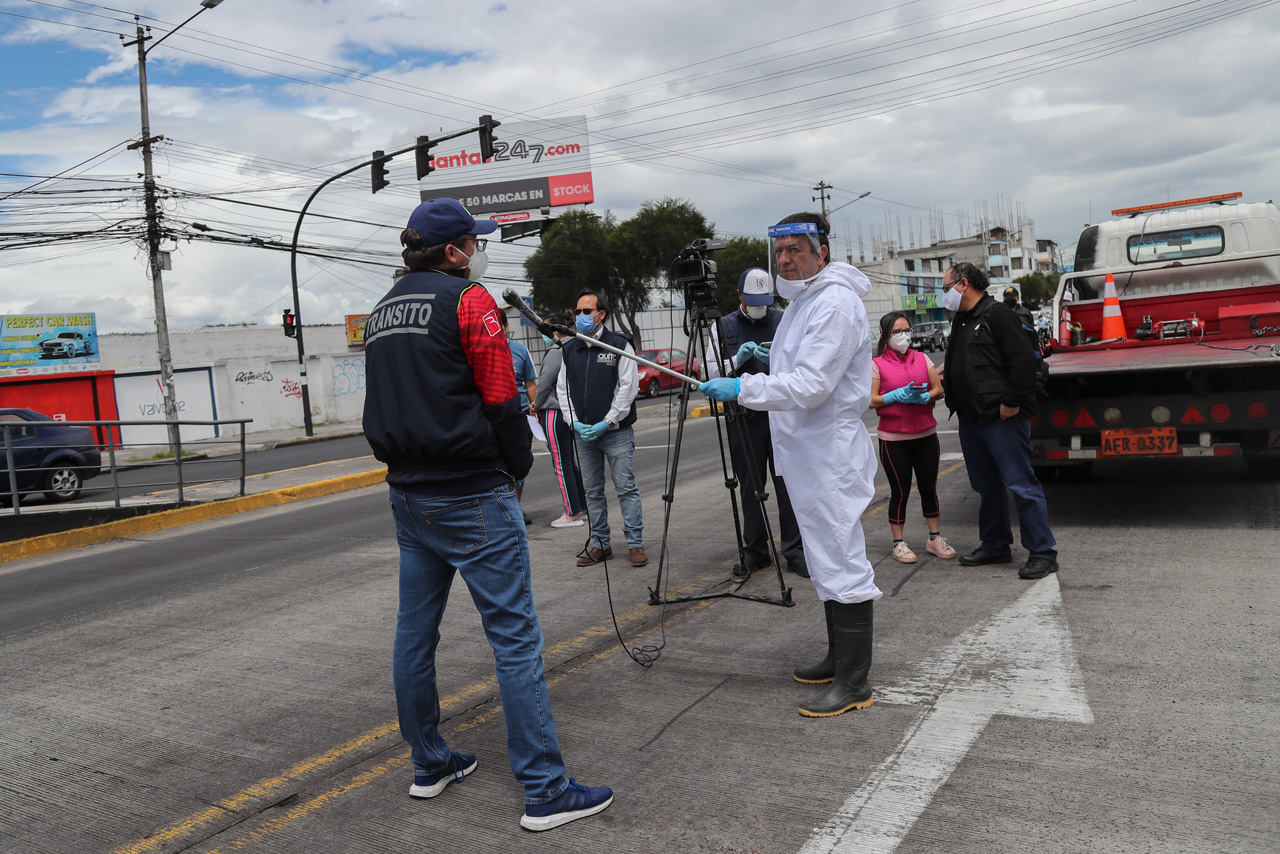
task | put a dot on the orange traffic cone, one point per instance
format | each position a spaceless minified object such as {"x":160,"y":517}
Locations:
{"x":1112,"y":319}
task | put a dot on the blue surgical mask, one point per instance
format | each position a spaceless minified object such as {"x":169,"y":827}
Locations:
{"x":586,"y":323}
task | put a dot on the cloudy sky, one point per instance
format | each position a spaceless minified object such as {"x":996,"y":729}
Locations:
{"x":943,"y":111}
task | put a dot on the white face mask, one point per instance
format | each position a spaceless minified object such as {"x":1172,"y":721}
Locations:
{"x":757,"y":312}
{"x":477,"y":261}
{"x":951,"y":299}
{"x":900,"y":341}
{"x":790,"y":289}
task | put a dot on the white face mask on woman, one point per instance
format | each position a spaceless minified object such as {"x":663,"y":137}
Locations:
{"x":900,"y":341}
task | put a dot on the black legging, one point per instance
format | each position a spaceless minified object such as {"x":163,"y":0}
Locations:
{"x":899,"y":457}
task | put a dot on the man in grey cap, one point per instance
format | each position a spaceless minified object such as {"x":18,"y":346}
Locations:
{"x":748,"y":332}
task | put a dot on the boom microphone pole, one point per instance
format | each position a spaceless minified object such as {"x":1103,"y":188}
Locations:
{"x":513,"y":299}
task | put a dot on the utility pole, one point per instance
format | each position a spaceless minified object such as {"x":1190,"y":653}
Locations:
{"x":822,"y":188}
{"x":154,"y":232}
{"x":153,"y":244}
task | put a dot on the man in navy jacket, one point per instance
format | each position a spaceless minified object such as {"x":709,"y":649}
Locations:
{"x":442,"y":411}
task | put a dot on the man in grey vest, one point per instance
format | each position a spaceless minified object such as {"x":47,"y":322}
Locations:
{"x":597,"y":394}
{"x":748,"y":332}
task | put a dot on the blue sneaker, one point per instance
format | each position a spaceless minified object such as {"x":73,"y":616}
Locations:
{"x":430,"y":785}
{"x":575,"y":802}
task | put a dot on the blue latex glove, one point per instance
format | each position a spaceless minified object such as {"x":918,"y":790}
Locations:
{"x":591,"y":432}
{"x":920,"y":396}
{"x":581,"y":429}
{"x":722,"y":389}
{"x":898,"y":395}
{"x":752,"y":350}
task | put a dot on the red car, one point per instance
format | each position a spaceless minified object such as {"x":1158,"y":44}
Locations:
{"x":653,"y":381}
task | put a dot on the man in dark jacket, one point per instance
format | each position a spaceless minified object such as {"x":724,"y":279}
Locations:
{"x":442,"y":411}
{"x":748,"y":333}
{"x":989,"y":382}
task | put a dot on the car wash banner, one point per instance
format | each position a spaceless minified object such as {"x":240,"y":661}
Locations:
{"x":535,"y":165}
{"x":47,"y":343}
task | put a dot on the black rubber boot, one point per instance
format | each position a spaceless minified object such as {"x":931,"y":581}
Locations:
{"x":823,"y":671}
{"x":851,"y":631}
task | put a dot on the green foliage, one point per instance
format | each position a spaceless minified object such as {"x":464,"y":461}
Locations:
{"x":624,"y":260}
{"x":1037,"y":287}
{"x":741,"y":253}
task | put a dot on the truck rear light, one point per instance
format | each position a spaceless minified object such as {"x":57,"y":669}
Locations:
{"x":1112,"y":416}
{"x":1192,"y":416}
{"x":1257,"y":411}
{"x":1220,"y":412}
{"x":1084,"y":419}
{"x":1161,"y":414}
{"x":1059,"y":417}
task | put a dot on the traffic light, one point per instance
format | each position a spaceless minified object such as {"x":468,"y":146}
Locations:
{"x":487,"y":124}
{"x":422,"y":156}
{"x":379,"y":168}
{"x":290,"y":324}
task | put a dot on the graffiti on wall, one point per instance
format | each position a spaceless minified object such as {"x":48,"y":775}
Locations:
{"x":291,"y":388}
{"x":252,"y":377}
{"x":348,"y":377}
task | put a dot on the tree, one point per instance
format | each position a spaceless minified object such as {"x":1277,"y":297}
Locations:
{"x":1037,"y":287}
{"x":741,"y":253}
{"x":574,"y":255}
{"x":624,"y":261}
{"x":644,"y":247}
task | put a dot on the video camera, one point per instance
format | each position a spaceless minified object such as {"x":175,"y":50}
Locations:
{"x":695,"y":273}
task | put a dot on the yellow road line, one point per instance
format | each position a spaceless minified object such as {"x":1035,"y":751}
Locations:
{"x":152,"y":522}
{"x":270,"y":787}
{"x":397,"y":762}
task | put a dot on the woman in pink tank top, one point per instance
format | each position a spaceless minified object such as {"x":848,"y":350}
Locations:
{"x":904,"y":386}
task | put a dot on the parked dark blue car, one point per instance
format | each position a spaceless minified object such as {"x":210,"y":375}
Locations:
{"x":48,"y":457}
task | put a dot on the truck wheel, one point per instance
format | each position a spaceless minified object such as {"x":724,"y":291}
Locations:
{"x":62,"y":484}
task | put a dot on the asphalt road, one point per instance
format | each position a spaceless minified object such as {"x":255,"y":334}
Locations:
{"x":225,"y":686}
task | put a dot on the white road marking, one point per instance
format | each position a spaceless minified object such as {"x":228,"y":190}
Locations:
{"x":1020,"y":662}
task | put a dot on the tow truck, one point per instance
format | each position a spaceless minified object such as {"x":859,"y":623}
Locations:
{"x":1196,"y":370}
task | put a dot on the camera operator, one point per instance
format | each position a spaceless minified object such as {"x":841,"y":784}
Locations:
{"x":818,"y":387}
{"x":747,"y":335}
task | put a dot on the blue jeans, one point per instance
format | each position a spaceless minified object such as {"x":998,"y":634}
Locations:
{"x":483,"y":536}
{"x":619,"y":447}
{"x":998,"y":457}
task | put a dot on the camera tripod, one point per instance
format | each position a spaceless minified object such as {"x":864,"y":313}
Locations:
{"x":699,"y":320}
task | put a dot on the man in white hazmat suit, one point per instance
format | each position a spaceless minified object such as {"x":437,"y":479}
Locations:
{"x":817,"y":388}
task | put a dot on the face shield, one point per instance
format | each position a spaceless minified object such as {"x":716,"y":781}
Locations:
{"x":795,"y":257}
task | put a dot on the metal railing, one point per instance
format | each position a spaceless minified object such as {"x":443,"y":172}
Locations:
{"x":20,"y":437}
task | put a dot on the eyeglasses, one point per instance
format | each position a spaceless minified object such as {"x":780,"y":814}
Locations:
{"x":585,"y":310}
{"x":480,"y":243}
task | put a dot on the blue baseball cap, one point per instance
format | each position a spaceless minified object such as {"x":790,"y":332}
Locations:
{"x":755,"y":287}
{"x":442,"y":220}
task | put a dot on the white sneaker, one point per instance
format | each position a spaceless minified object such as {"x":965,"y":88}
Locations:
{"x":938,"y":546}
{"x":567,"y":521}
{"x":902,"y":553}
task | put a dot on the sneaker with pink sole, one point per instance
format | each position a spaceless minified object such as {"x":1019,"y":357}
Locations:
{"x":902,"y":553}
{"x":938,"y":546}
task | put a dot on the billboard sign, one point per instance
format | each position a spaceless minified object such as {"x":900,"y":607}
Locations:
{"x":47,"y":343}
{"x":536,"y":164}
{"x":355,"y":329}
{"x":919,"y":302}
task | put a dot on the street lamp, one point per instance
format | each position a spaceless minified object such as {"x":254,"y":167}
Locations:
{"x":153,"y":222}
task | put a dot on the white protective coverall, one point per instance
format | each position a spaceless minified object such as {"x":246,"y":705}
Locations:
{"x":817,"y":388}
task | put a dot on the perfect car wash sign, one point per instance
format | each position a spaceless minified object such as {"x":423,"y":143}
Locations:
{"x":47,"y":343}
{"x":535,"y":165}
